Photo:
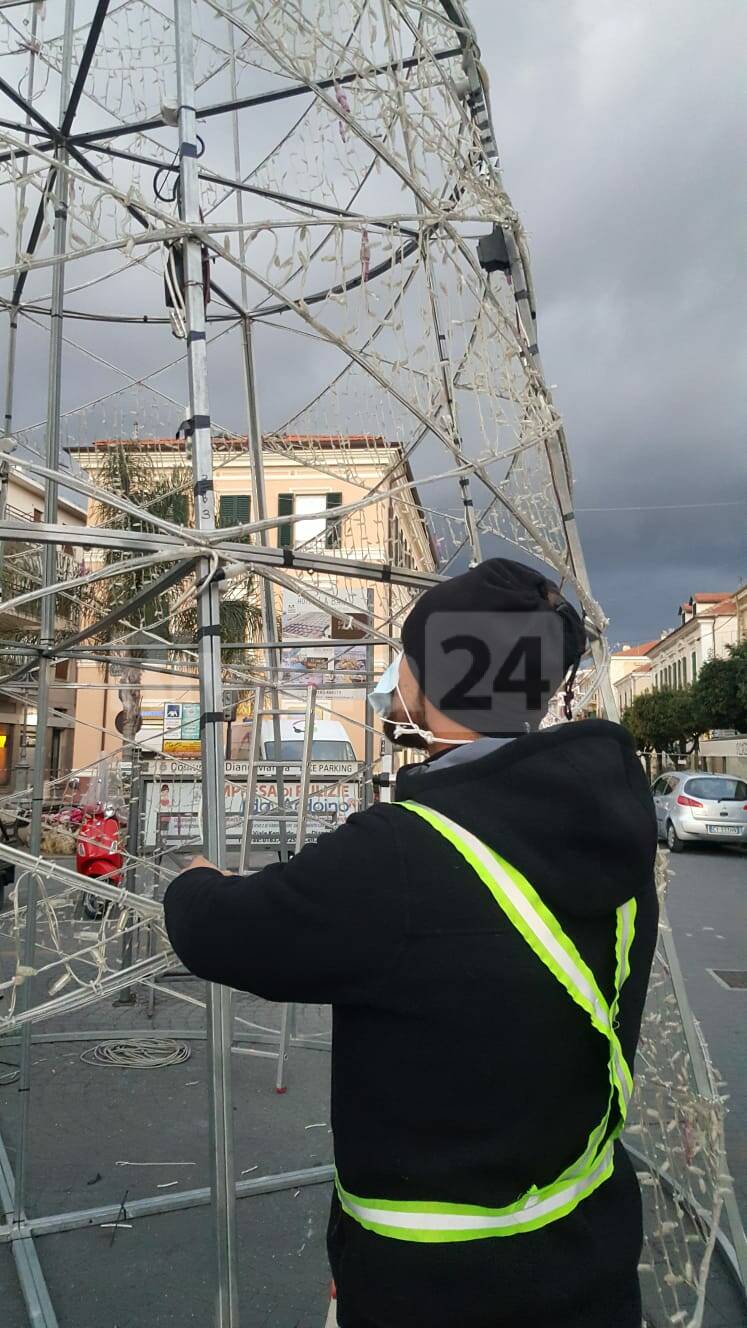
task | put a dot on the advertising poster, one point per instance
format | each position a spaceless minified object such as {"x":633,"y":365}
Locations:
{"x":173,"y":803}
{"x":181,"y":728}
{"x":330,"y":668}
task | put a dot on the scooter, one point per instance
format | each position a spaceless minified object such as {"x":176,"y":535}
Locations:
{"x":99,"y":853}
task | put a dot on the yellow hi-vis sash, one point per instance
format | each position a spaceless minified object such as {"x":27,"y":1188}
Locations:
{"x":427,"y":1221}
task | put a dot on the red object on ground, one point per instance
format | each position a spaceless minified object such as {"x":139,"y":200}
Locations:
{"x":98,"y":852}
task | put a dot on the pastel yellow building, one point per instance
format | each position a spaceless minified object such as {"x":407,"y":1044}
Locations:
{"x":306,"y":477}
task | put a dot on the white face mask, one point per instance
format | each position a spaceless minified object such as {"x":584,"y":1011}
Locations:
{"x":380,"y":700}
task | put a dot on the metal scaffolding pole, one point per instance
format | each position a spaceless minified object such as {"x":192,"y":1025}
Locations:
{"x":46,"y":629}
{"x":288,"y":1018}
{"x":208,"y":634}
{"x":273,"y":655}
{"x":36,"y":1296}
{"x":251,"y":783}
{"x":10,"y":373}
{"x":367,"y":786}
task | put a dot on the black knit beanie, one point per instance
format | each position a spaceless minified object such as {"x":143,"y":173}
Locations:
{"x":491,"y":647}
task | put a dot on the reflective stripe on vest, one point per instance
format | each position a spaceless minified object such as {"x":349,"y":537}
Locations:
{"x":427,"y":1221}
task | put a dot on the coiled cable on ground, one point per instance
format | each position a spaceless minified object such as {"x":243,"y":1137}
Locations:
{"x":142,"y":1053}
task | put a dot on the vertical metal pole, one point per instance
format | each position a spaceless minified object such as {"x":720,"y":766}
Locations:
{"x":46,"y":628}
{"x":273,"y":656}
{"x":386,"y":772}
{"x":132,"y":848}
{"x":211,"y":687}
{"x":10,"y":372}
{"x":4,"y":481}
{"x":305,"y":781}
{"x":287,"y":1021}
{"x":368,"y":741}
{"x":251,"y":782}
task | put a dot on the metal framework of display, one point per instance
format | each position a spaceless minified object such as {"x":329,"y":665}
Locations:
{"x":372,"y":246}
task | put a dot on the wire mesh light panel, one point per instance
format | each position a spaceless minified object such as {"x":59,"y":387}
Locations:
{"x":370,"y":330}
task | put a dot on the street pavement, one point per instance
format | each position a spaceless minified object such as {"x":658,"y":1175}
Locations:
{"x":707,"y":905}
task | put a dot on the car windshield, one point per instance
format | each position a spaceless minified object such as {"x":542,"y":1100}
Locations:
{"x":717,"y":788}
{"x":291,"y":749}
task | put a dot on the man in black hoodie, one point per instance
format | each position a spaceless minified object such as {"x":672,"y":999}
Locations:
{"x":485,"y":943}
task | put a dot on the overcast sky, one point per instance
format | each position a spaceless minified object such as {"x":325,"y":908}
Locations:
{"x":621,"y":130}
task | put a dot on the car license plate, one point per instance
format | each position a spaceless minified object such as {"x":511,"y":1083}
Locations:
{"x":723,"y":829}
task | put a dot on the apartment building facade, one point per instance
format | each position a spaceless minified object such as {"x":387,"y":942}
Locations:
{"x":708,"y":624}
{"x":306,"y":477}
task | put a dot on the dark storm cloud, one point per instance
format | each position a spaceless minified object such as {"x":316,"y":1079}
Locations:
{"x":619,"y":132}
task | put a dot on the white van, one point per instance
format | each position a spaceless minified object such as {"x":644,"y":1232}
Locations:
{"x":329,"y":743}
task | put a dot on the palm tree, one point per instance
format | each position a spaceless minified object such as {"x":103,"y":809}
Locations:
{"x":166,"y":493}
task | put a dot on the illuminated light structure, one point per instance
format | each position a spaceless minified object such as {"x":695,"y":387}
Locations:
{"x":308,"y":196}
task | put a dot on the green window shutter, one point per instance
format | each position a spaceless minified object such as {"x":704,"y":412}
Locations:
{"x":285,"y":532}
{"x":333,"y":532}
{"x":233,"y":509}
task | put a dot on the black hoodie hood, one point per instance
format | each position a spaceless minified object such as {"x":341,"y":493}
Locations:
{"x":569,"y":807}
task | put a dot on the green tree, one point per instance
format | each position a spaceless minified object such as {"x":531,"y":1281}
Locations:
{"x":664,"y":721}
{"x":164,"y":492}
{"x":721,"y":691}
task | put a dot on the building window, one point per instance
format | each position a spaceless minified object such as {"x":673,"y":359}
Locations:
{"x":54,"y":753}
{"x":234,"y":509}
{"x":333,"y":528}
{"x":400,"y":553}
{"x":311,"y":506}
{"x":60,"y":670}
{"x":285,"y":508}
{"x":38,"y":514}
{"x":693,"y":661}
